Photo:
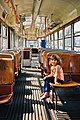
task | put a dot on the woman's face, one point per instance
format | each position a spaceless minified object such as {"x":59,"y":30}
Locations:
{"x":54,"y":62}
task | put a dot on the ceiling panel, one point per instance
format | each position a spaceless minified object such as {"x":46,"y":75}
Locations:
{"x":24,"y":6}
{"x":56,"y":10}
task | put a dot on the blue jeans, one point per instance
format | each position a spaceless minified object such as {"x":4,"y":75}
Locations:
{"x":47,"y":85}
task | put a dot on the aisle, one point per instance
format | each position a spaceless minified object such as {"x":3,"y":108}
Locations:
{"x":35,"y":108}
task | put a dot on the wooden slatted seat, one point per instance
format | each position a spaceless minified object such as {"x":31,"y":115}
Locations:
{"x":71,"y":68}
{"x":70,"y":65}
{"x":17,"y":59}
{"x":26,"y":57}
{"x":6,"y":77}
{"x":66,"y":84}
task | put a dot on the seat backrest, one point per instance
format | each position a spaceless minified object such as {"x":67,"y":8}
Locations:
{"x":75,"y":67}
{"x":70,"y":63}
{"x":75,"y":63}
{"x":6,"y":69}
{"x":65,"y":57}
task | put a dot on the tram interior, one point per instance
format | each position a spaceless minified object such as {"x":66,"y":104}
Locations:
{"x":31,"y":31}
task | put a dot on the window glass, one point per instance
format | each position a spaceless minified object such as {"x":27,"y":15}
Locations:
{"x":68,"y":31}
{"x":77,"y":36}
{"x":67,"y":35}
{"x":77,"y":48}
{"x":61,"y":39}
{"x":68,"y":42}
{"x":0,"y":35}
{"x":52,"y":38}
{"x":60,"y":34}
{"x":5,"y":43}
{"x":4,"y":37}
{"x":31,"y":43}
{"x":67,"y":48}
{"x":47,"y":42}
{"x":60,"y":44}
{"x":55,"y":44}
{"x":4,"y":31}
{"x":55,"y":36}
{"x":12,"y":39}
{"x":77,"y":27}
{"x":0,"y":43}
{"x":77,"y":41}
{"x":0,"y":28}
{"x":39,"y":42}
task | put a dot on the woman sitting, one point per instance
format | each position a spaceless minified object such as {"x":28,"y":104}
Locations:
{"x":56,"y":75}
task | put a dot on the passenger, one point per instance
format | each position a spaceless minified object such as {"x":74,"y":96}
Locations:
{"x":56,"y":75}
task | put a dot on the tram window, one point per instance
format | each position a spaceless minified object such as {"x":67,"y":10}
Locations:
{"x":67,"y":34}
{"x":55,"y":43}
{"x":0,"y":37}
{"x":39,"y":43}
{"x":5,"y":43}
{"x":0,"y":28}
{"x":34,"y":50}
{"x":68,"y":31}
{"x":77,"y":48}
{"x":77,"y":36}
{"x":31,"y":46}
{"x":52,"y":41}
{"x":67,"y":48}
{"x":4,"y":31}
{"x":55,"y":36}
{"x":77,"y":28}
{"x":55,"y":40}
{"x":77,"y":41}
{"x":68,"y":42}
{"x":61,"y":39}
{"x":26,"y":54}
{"x":29,"y":43}
{"x":60,"y":44}
{"x":47,"y":42}
{"x":60,"y":34}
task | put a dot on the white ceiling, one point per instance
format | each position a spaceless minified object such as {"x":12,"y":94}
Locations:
{"x":62,"y":11}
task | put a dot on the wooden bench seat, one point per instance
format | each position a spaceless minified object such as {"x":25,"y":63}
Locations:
{"x":71,"y":69}
{"x":6,"y":77}
{"x":17,"y":59}
{"x":66,"y":84}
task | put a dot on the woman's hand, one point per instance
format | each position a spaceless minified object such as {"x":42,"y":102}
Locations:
{"x":44,"y":78}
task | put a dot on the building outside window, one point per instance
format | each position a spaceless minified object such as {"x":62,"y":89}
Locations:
{"x":61,"y":39}
{"x":52,"y":41}
{"x":55,"y":40}
{"x":77,"y":36}
{"x":4,"y":37}
{"x":67,"y":34}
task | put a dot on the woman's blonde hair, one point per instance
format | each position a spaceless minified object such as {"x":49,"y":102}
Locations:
{"x":56,"y":57}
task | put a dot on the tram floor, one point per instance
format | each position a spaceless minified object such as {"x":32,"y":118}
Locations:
{"x":27,"y":105}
